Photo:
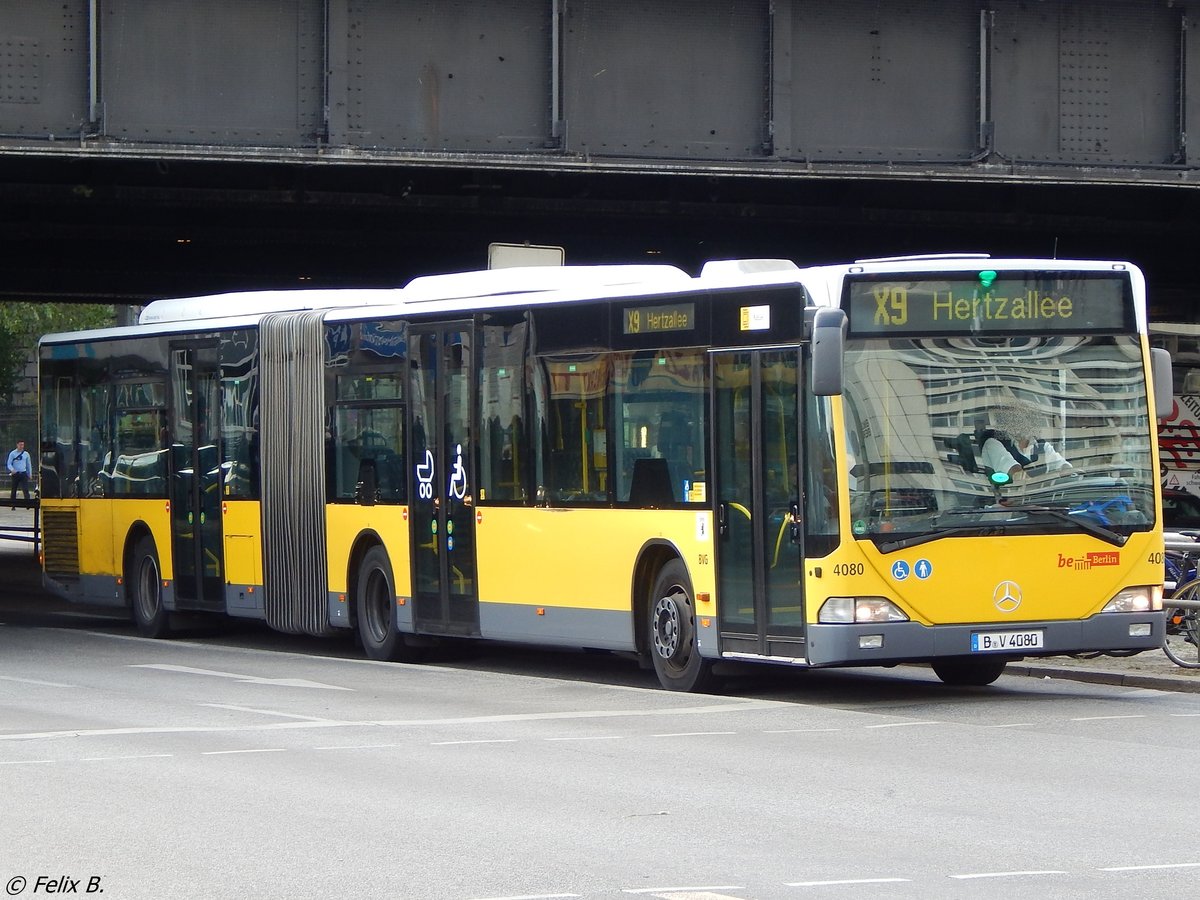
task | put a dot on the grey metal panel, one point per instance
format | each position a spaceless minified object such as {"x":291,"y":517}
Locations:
{"x":1086,"y":82}
{"x":43,"y":68}
{"x":443,"y":75}
{"x":883,"y":81}
{"x":218,"y":72}
{"x":1190,"y":85}
{"x":680,"y":78}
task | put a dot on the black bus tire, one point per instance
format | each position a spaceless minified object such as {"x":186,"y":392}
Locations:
{"x":672,"y":633}
{"x":968,"y":670}
{"x":144,"y":584}
{"x":375,"y":609}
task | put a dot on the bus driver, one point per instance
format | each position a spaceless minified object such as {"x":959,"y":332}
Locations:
{"x":1011,"y":445}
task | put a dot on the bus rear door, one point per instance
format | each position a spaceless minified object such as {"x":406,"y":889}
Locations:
{"x":199,"y":557}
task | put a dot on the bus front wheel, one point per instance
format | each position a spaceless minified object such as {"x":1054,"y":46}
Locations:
{"x":673,"y":647}
{"x":375,"y":609}
{"x":145,"y":586}
{"x":968,"y":670}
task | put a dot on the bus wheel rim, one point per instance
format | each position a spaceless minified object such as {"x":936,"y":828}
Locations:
{"x":668,"y":627}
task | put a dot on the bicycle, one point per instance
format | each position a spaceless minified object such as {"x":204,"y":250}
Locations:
{"x":1181,"y":638}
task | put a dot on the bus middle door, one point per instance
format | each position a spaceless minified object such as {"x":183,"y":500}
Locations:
{"x":443,"y":483}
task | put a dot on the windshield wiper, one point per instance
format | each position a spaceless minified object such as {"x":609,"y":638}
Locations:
{"x":996,"y":528}
{"x":905,"y":543}
{"x":1081,"y":523}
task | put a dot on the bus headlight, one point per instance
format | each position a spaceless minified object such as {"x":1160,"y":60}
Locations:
{"x":849,"y":610}
{"x":1144,"y":598}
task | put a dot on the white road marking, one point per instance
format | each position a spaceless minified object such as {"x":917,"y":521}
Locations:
{"x":247,"y":679}
{"x":25,"y":762}
{"x":902,"y":724}
{"x":1186,"y":865}
{"x":845,"y":881}
{"x":692,"y":734}
{"x":677,"y":890}
{"x":696,"y":895}
{"x":799,"y":730}
{"x":270,"y":712}
{"x":1009,"y":874}
{"x":530,"y":897}
{"x":1103,"y":718}
{"x":492,"y":741}
{"x":35,"y":682}
{"x":1014,"y":725}
{"x":139,"y":756}
{"x":598,"y":737}
{"x":256,"y":750}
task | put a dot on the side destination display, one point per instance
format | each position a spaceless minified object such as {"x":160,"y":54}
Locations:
{"x":985,"y":302}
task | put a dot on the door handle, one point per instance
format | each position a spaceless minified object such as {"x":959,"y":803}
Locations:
{"x":794,"y":521}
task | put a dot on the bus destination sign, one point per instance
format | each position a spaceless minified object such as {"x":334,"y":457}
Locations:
{"x":988,"y":302}
{"x":654,"y":319}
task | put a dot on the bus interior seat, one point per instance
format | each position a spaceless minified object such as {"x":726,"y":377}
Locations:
{"x":1191,"y":382}
{"x":651,"y":483}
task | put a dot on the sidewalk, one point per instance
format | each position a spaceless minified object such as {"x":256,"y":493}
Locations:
{"x":21,"y":586}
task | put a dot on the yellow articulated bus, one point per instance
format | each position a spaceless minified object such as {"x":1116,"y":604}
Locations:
{"x":944,"y":459}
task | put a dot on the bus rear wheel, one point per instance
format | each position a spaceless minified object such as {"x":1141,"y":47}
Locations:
{"x":673,"y":647}
{"x":968,"y":670}
{"x":145,"y":591}
{"x":375,"y":609}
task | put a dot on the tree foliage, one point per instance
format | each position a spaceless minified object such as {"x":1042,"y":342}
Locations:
{"x":22,"y":323}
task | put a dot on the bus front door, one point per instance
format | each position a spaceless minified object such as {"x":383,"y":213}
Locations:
{"x":756,"y":449}
{"x":198,"y":556}
{"x":442,"y":483}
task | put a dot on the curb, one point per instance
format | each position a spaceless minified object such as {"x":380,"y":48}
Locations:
{"x":1178,"y":683}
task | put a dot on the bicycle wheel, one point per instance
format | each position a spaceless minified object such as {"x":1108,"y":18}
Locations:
{"x":1181,"y":641}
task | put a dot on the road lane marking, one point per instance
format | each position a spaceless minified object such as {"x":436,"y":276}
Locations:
{"x":798,"y":730}
{"x":902,"y":724}
{"x":682,"y":890}
{"x":845,"y":881}
{"x":1186,"y":865}
{"x":1009,"y":874}
{"x":35,"y":682}
{"x":531,"y":897}
{"x":481,"y":741}
{"x":254,"y":750}
{"x":25,"y":762}
{"x":598,"y":737}
{"x":247,"y":679}
{"x":1103,"y":718}
{"x":139,"y":756}
{"x":692,"y":734}
{"x":270,"y":712}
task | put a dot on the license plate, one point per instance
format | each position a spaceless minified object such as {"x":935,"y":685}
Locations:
{"x":1006,"y":641}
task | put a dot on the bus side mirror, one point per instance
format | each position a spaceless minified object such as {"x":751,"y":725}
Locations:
{"x":828,"y":351}
{"x":1160,"y":374}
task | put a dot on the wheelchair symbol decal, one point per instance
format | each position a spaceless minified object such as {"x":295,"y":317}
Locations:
{"x":458,"y":475}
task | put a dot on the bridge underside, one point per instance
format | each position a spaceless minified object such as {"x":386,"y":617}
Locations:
{"x":155,"y":147}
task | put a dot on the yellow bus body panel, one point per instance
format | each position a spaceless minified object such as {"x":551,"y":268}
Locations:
{"x":959,"y":580}
{"x":241,"y":526}
{"x":583,"y":558}
{"x":347,"y":523}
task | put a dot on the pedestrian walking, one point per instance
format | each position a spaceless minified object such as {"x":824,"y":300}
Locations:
{"x":20,"y":468}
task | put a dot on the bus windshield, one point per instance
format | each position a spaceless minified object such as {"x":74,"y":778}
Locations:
{"x":1000,"y":435}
